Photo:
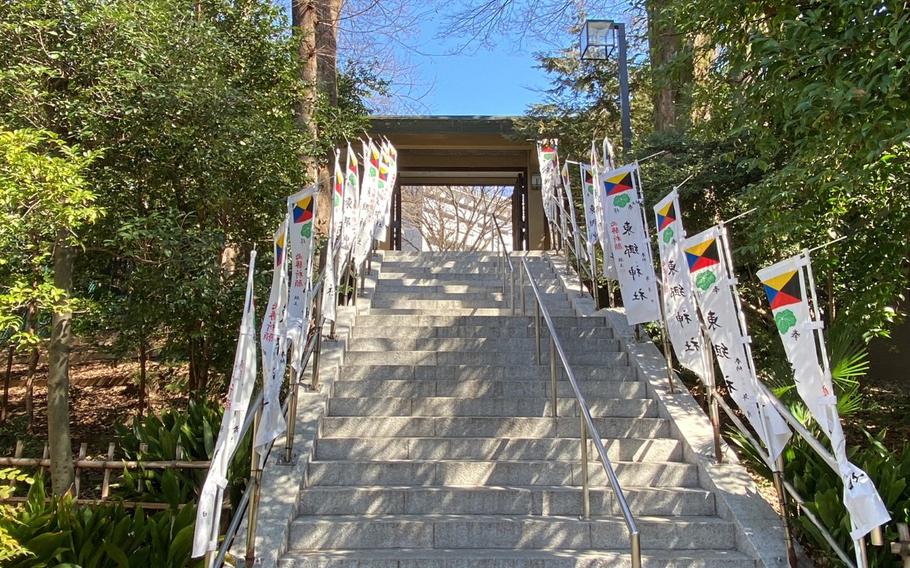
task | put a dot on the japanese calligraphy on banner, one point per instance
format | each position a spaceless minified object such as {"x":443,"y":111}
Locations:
{"x":790,"y":288}
{"x":301,"y":241}
{"x":711,"y":274}
{"x":243,"y":379}
{"x":676,"y":289}
{"x":628,"y":240}
{"x":549,"y":174}
{"x":273,"y":343}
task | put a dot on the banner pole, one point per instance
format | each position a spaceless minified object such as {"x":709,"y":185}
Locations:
{"x":665,"y":336}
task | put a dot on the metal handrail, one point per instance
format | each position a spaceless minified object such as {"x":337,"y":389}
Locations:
{"x":506,"y":260}
{"x":586,"y":423}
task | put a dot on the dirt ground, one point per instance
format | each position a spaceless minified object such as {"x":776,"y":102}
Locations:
{"x":103,"y":395}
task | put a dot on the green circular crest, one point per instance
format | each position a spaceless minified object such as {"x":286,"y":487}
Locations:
{"x":705,"y":280}
{"x":621,"y":200}
{"x":668,"y":235}
{"x":785,"y":319}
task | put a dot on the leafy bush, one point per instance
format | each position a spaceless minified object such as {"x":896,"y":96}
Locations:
{"x":58,"y":532}
{"x":195,"y":430}
{"x":814,"y":480}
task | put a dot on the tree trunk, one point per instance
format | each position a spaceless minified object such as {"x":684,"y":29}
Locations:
{"x":9,"y":372}
{"x":31,"y":321}
{"x":30,"y":388}
{"x":199,"y":361}
{"x":58,"y":410}
{"x":143,"y":374}
{"x":327,"y":48}
{"x":668,"y":72}
{"x":303,"y":20}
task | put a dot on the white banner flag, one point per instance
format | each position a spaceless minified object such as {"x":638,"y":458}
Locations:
{"x":573,"y":218}
{"x":608,"y":269}
{"x":333,"y":247}
{"x":243,"y":379}
{"x":301,"y":247}
{"x":549,"y":174}
{"x":351,"y":222}
{"x":589,"y":190}
{"x":800,"y":328}
{"x":631,"y":247}
{"x":273,"y":342}
{"x":711,"y":274}
{"x":386,"y":190}
{"x":676,"y":289}
{"x":368,"y":198}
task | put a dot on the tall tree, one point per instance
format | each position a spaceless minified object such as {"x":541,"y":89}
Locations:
{"x":46,"y":208}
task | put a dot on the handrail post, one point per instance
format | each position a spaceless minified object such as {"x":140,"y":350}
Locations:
{"x":778,"y":479}
{"x":513,"y":293}
{"x":581,"y":280}
{"x":665,"y":338}
{"x":318,"y":345}
{"x":255,"y":482}
{"x":291,"y":418}
{"x":636,"y":549}
{"x":711,"y":391}
{"x":521,"y":285}
{"x":586,"y":494}
{"x":553,"y":384}
{"x":537,"y":335}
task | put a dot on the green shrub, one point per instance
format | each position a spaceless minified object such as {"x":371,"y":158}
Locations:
{"x":195,"y":430}
{"x":59,"y":532}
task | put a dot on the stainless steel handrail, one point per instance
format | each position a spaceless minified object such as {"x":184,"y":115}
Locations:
{"x":586,"y":424}
{"x":505,"y":260}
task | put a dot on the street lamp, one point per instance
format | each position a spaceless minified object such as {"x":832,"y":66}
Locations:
{"x":599,"y":39}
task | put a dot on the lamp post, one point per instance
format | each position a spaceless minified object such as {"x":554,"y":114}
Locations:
{"x":599,"y":38}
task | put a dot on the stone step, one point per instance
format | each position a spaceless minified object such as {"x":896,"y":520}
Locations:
{"x":505,"y":532}
{"x":436,"y":286}
{"x":383,"y":293}
{"x":451,"y":406}
{"x":392,"y":321}
{"x":567,"y":335}
{"x":489,"y":271}
{"x":500,"y":472}
{"x":533,"y":373}
{"x":487,"y":558}
{"x":385,"y":303}
{"x":485,"y":427}
{"x":555,"y":312}
{"x":507,"y":358}
{"x":506,"y":500}
{"x":482,"y":388}
{"x":540,"y":449}
{"x":490,"y":344}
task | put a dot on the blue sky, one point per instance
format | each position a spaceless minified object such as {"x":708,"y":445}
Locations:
{"x":499,"y":80}
{"x":502,"y":80}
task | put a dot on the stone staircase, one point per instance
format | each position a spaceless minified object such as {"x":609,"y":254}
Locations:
{"x":438,"y":449}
